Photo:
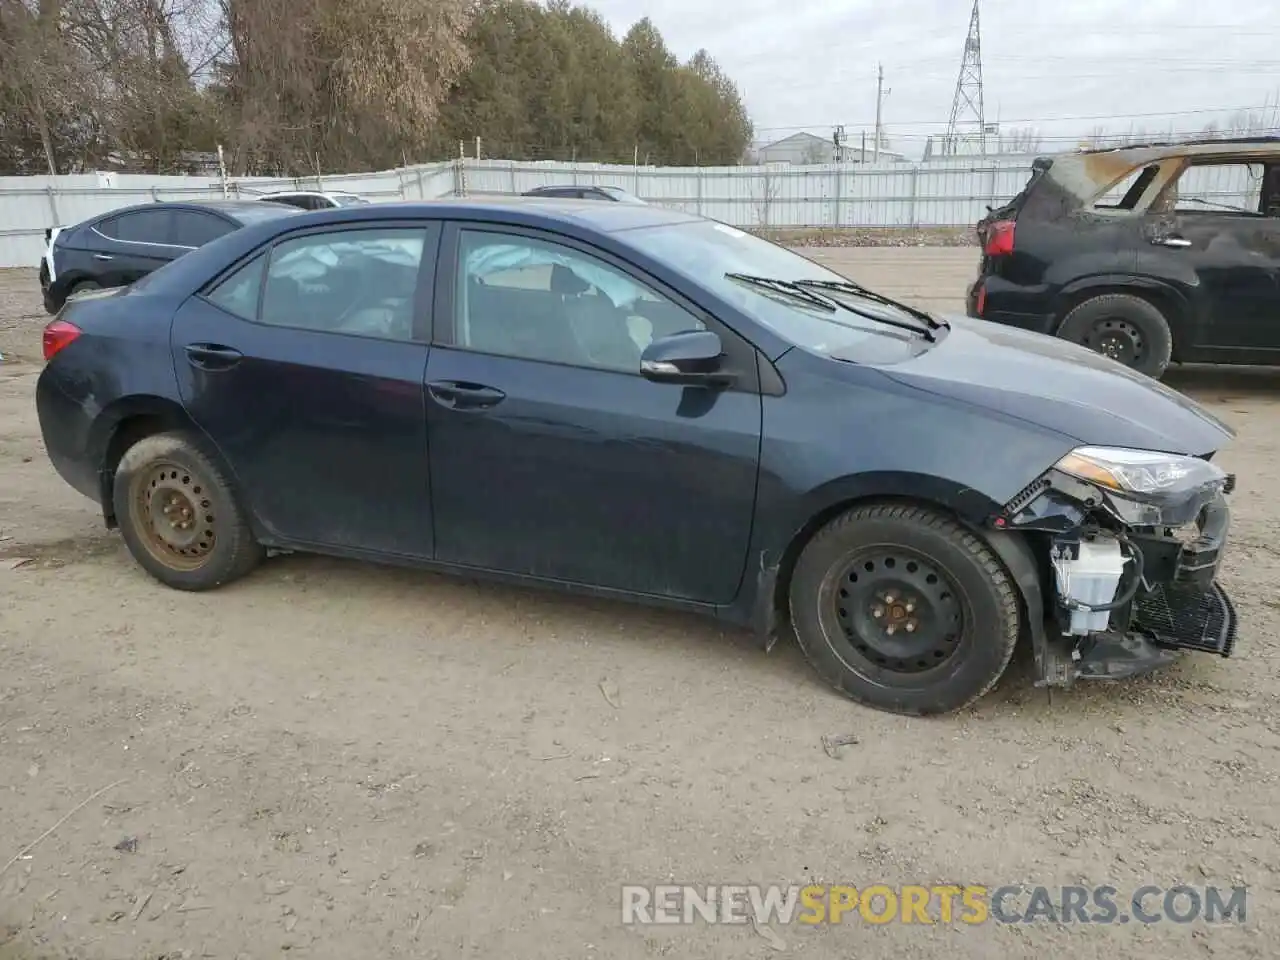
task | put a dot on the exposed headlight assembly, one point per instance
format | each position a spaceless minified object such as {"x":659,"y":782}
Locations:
{"x":1146,"y":487}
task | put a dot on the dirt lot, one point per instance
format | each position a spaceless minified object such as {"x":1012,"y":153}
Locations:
{"x":344,"y":761}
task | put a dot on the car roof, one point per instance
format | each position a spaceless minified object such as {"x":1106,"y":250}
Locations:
{"x":570,"y":186}
{"x":1227,"y":146}
{"x":532,"y":211}
{"x":306,"y":193}
{"x":570,"y":217}
{"x":244,"y":210}
{"x":1083,"y":173}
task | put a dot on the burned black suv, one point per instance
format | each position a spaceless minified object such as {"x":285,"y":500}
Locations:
{"x":1149,"y":254}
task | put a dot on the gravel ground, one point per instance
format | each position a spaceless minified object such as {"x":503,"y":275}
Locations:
{"x":340,"y":760}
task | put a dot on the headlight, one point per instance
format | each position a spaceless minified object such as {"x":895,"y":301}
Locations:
{"x":1140,"y":473}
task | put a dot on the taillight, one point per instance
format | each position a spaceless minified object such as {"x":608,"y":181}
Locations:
{"x":980,"y":305}
{"x":57,"y":335}
{"x":999,"y":239}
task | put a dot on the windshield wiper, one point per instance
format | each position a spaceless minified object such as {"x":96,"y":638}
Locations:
{"x":788,"y":288}
{"x":857,"y":289}
{"x":808,"y":292}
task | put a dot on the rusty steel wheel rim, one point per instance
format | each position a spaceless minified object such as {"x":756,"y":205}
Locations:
{"x":174,"y":516}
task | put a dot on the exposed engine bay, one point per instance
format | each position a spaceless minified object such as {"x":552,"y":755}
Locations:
{"x":1128,"y":544}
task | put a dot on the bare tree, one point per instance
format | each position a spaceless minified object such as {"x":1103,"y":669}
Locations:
{"x":338,"y":83}
{"x":1021,"y":140}
{"x":765,"y":189}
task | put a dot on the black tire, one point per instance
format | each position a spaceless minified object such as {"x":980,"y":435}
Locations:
{"x":211,"y":544}
{"x":965,"y":612}
{"x":1124,"y":327}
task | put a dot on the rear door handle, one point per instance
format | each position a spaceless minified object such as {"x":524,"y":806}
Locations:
{"x":103,"y":256}
{"x":213,"y":356}
{"x":1179,"y":242}
{"x":464,"y":395}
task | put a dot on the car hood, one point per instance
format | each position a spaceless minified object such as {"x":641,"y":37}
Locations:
{"x":1059,"y":386}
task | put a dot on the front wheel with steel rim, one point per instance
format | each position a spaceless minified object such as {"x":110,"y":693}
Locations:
{"x":901,"y":608}
{"x":179,"y":516}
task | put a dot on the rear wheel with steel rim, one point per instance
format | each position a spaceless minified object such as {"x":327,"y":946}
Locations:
{"x":1118,"y":339}
{"x":179,"y":516}
{"x":1124,"y":327}
{"x":901,"y":608}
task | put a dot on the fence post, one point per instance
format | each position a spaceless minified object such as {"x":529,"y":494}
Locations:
{"x":53,"y":204}
{"x":511,"y":167}
{"x":222,"y":172}
{"x":699,"y":178}
{"x":915,"y":177}
{"x":460,"y":172}
{"x":838,"y":189}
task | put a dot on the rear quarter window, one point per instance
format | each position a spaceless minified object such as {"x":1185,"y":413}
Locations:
{"x":195,"y":229}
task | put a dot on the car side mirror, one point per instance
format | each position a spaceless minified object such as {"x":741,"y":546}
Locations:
{"x":693,"y":358}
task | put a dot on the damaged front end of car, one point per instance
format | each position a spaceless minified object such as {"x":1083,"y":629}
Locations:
{"x":1126,"y":547}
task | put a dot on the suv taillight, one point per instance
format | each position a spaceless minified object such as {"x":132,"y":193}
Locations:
{"x":999,"y":242}
{"x":58,"y":335}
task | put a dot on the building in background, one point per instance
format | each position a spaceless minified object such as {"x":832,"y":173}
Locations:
{"x":808,"y":149}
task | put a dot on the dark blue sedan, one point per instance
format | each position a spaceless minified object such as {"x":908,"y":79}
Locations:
{"x":633,"y":402}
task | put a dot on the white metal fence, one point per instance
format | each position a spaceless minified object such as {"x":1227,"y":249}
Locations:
{"x":940,"y":193}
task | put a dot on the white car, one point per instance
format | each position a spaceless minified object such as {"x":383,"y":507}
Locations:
{"x":314,"y":199}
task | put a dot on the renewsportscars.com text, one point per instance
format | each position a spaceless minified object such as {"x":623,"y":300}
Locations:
{"x":970,"y":904}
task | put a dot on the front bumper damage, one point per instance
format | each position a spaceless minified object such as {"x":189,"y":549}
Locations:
{"x":1167,"y":599}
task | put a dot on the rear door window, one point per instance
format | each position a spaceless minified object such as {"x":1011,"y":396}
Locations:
{"x":143,"y":226}
{"x":194,"y":229}
{"x":359,"y":282}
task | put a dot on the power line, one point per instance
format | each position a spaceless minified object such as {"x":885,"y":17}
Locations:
{"x":1042,"y":119}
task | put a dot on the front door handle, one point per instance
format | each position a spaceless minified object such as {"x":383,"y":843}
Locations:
{"x":464,"y":395}
{"x":1179,"y":242}
{"x":213,"y":356}
{"x":103,"y":256}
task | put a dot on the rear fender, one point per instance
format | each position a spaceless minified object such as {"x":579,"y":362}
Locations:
{"x":1177,"y":310}
{"x":122,"y":424}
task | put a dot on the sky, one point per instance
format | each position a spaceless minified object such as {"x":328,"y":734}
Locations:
{"x":1065,"y":69}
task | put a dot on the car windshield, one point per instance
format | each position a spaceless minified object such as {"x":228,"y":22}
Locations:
{"x":708,"y":252}
{"x":347,"y":199}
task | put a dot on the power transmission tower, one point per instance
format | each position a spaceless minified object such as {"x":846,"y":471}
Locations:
{"x":966,"y":105}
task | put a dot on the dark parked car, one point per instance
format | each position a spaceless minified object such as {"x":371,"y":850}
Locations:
{"x":634,"y":402}
{"x":1143,"y":253}
{"x":571,"y":192}
{"x":122,"y":246}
